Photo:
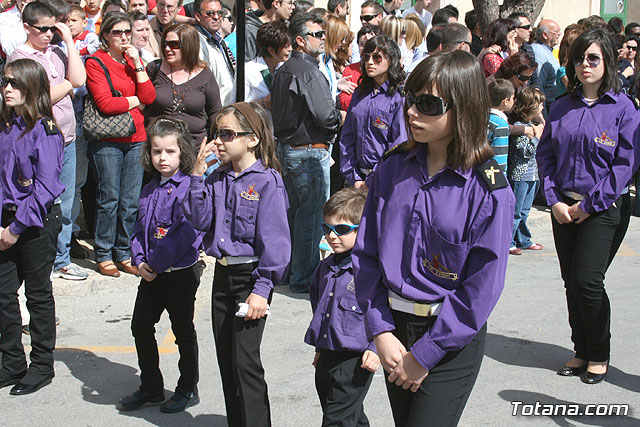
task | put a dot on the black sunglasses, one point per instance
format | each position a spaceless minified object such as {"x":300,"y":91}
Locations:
{"x":339,"y":229}
{"x":632,"y":47}
{"x":119,"y":33}
{"x":173,"y":44}
{"x":524,"y":27}
{"x":6,"y":81}
{"x":367,"y":18}
{"x":427,"y":104}
{"x":593,"y":60}
{"x":213,"y":13}
{"x":465,"y":42}
{"x":317,"y":34}
{"x":228,"y":135}
{"x":523,"y":77}
{"x":45,"y":29}
{"x":377,"y":58}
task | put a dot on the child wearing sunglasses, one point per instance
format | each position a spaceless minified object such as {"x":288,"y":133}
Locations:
{"x":431,"y":254}
{"x":374,"y":122}
{"x":345,"y":358}
{"x":31,"y":151}
{"x":164,"y":248}
{"x":242,"y":207}
{"x":587,"y":155}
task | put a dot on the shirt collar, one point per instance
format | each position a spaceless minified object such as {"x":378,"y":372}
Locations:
{"x":208,"y":35}
{"x":420,"y":154}
{"x":258,"y":167}
{"x":177,"y":178}
{"x":303,"y":55}
{"x":615,"y":97}
{"x":500,"y":114}
{"x":341,"y":262}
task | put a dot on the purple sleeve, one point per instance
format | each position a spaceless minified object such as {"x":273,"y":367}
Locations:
{"x":198,"y":203}
{"x":273,"y":241}
{"x":466,"y":309}
{"x":47,"y":167}
{"x":398,"y":133}
{"x":348,"y":160}
{"x":546,"y":159}
{"x":371,"y":292}
{"x":609,"y":188}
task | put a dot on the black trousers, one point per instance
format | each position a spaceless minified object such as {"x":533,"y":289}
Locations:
{"x":30,"y":261}
{"x":585,"y":251}
{"x":176,"y":293}
{"x":342,"y":386}
{"x":443,"y":395}
{"x":238,"y":348}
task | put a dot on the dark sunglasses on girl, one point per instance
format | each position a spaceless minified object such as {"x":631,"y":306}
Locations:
{"x":339,"y":229}
{"x":377,"y":58}
{"x":228,"y":135}
{"x":523,"y":78}
{"x":45,"y":29}
{"x":6,"y":81}
{"x":427,"y":104}
{"x":593,"y":60}
{"x":119,"y":33}
{"x":173,"y":44}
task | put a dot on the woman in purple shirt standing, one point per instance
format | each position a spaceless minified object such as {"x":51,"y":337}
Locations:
{"x":426,"y":278}
{"x":586,"y":161}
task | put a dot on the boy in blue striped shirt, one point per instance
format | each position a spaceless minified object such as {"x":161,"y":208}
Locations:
{"x":501,"y":95}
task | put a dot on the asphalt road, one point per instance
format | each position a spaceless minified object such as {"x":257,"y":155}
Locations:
{"x":528,"y":340}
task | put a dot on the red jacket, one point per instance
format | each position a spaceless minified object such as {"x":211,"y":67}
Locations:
{"x":355,"y":72}
{"x":124,"y":81}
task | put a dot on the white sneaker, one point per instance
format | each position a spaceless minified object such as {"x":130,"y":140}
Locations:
{"x":70,"y":272}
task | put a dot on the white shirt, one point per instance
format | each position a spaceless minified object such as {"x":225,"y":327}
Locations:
{"x":12,"y":32}
{"x":254,"y":85}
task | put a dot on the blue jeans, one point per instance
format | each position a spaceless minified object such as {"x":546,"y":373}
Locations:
{"x":119,"y":176}
{"x":68,"y":178}
{"x":306,"y":178}
{"x":524,"y":192}
{"x":82,"y":167}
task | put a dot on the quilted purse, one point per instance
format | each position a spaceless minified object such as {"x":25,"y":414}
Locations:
{"x":100,"y":125}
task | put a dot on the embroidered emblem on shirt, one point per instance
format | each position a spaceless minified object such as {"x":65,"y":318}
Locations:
{"x":351,"y":286}
{"x":380,"y":124}
{"x":24,"y":182}
{"x":605,"y":140}
{"x":50,"y":127}
{"x":492,"y":174}
{"x":439,"y":270}
{"x":250,"y":194}
{"x":170,"y":190}
{"x":160,"y":233}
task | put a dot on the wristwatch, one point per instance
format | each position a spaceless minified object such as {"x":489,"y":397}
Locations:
{"x":139,"y":69}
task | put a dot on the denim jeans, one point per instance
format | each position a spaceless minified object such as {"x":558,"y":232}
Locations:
{"x":119,"y":175}
{"x":524,"y":192}
{"x":306,"y":178}
{"x":82,"y":167}
{"x":68,"y":178}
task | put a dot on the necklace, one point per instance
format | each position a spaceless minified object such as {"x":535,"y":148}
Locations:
{"x":120,"y":61}
{"x":177,"y":105}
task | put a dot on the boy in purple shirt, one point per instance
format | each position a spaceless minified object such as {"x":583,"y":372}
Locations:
{"x":345,"y":358}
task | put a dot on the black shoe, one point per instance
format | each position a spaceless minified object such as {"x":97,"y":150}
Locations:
{"x":76,"y":251}
{"x":572,"y":371}
{"x":12,"y":380}
{"x":21,"y":389}
{"x":179,"y":402}
{"x":139,"y":398}
{"x":591,"y":378}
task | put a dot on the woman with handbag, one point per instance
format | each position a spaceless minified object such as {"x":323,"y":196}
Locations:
{"x":118,"y":84}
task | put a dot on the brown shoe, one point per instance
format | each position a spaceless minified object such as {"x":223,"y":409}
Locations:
{"x":127,"y":267}
{"x":108,"y":268}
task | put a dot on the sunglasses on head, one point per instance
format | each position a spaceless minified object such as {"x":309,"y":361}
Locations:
{"x":339,"y":229}
{"x":367,"y":18}
{"x":377,"y":58}
{"x":593,"y":60}
{"x":524,"y":27}
{"x":317,"y":34}
{"x":427,"y":104}
{"x":214,"y":13}
{"x":228,"y":135}
{"x":523,"y":77}
{"x":173,"y":44}
{"x":45,"y":29}
{"x":6,"y":81}
{"x":119,"y":33}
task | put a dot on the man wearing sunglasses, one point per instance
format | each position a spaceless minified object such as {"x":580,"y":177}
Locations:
{"x":370,"y":13}
{"x":548,"y":35}
{"x":523,"y":35}
{"x":306,"y":121}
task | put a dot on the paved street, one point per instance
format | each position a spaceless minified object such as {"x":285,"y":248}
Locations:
{"x":528,"y":340}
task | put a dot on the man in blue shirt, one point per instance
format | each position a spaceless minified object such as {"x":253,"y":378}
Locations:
{"x":548,"y":36}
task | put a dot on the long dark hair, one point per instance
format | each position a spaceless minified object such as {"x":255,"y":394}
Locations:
{"x":395,"y":74}
{"x":460,"y":82}
{"x":607,"y":44}
{"x":165,"y":126}
{"x":34,"y":84}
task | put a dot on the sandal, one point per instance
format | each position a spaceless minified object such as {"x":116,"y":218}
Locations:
{"x":108,"y":268}
{"x":127,"y":267}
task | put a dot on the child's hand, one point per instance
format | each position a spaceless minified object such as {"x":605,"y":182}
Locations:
{"x":7,"y":239}
{"x":408,"y":373}
{"x":65,"y":33}
{"x":315,"y":359}
{"x":561,"y":213}
{"x":390,"y":350}
{"x":370,"y":361}
{"x":147,"y":272}
{"x":201,"y":165}
{"x":257,"y":307}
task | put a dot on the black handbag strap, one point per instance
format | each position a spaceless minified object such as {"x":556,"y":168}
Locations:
{"x":114,"y":93}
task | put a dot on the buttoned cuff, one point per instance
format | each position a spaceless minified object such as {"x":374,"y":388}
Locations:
{"x":378,"y":321}
{"x":553,"y":197}
{"x":196,"y":180}
{"x":262,"y":288}
{"x":427,"y":352}
{"x":17,"y":228}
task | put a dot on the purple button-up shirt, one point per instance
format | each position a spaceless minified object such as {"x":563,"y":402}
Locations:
{"x":440,"y":239}
{"x":244,"y":215}
{"x":589,"y":149}
{"x":374,"y":124}
{"x":30,"y":173}
{"x":162,"y":237}
{"x":338,"y":322}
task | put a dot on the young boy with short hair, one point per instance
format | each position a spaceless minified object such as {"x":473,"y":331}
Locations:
{"x":501,"y":95}
{"x":86,"y":42}
{"x":345,"y":358}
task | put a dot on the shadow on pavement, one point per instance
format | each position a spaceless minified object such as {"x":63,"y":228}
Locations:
{"x":530,"y":398}
{"x":531,"y":354}
{"x":105,"y":382}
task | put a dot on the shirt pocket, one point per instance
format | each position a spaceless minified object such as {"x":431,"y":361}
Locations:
{"x":351,"y":320}
{"x":380,"y":122}
{"x":605,"y":141}
{"x":442,"y":261}
{"x":245,"y":219}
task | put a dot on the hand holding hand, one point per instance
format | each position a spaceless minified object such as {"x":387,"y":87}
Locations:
{"x":370,"y":361}
{"x":390,"y":350}
{"x":257,"y":307}
{"x":408,"y":373}
{"x":577,"y":214}
{"x":560,"y":212}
